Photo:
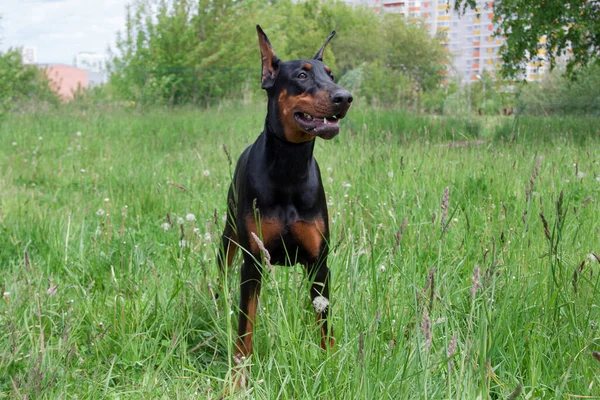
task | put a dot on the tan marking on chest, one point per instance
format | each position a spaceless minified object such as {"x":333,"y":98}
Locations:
{"x":267,"y":230}
{"x":309,"y":235}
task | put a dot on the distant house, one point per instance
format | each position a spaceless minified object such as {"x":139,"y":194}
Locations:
{"x":66,"y":80}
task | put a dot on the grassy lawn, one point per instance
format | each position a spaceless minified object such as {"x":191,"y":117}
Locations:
{"x":109,"y":224}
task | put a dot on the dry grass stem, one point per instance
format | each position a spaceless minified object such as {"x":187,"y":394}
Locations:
{"x":515,"y":393}
{"x":426,"y":328}
{"x":450,"y":352}
{"x":534,"y":174}
{"x":576,"y":273}
{"x":177,"y":185}
{"x":263,"y":249}
{"x":545,"y":223}
{"x":476,"y":280}
{"x":399,"y":235}
{"x":445,"y":200}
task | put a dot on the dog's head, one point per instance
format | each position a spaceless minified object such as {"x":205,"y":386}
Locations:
{"x":303,"y":94}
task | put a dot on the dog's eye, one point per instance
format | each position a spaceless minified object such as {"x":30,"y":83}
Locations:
{"x":302,"y":75}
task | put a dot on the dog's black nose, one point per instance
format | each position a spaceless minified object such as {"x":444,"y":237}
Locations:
{"x":341,"y":97}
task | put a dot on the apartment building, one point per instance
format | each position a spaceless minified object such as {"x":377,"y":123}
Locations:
{"x":469,"y":37}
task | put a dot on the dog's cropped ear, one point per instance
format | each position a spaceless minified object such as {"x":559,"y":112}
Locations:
{"x":270,"y":62}
{"x":319,"y":55}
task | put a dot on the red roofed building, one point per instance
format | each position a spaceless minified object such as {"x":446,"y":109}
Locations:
{"x":66,"y":80}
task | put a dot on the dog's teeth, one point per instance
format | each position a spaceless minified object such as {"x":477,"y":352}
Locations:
{"x":308,"y":116}
{"x":324,"y":120}
{"x":334,"y":117}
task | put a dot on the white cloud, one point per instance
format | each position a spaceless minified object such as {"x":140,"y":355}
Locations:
{"x":59,"y":29}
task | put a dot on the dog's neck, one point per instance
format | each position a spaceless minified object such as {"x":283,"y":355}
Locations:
{"x":290,"y":161}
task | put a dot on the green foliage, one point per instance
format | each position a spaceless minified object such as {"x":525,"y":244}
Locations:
{"x":21,"y":83}
{"x":557,"y":94}
{"x":173,"y":54}
{"x":571,"y":29}
{"x":170,"y":53}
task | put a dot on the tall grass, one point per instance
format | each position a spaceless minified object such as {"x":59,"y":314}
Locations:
{"x":447,"y":280}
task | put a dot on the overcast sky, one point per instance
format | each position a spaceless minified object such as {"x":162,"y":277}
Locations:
{"x":60,"y":29}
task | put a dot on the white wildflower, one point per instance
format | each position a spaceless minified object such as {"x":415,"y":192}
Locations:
{"x":78,"y":134}
{"x":14,"y":143}
{"x":320,"y":304}
{"x":82,"y":171}
{"x":329,"y":169}
{"x":346,"y":185}
{"x":391,"y":174}
{"x":100,"y":212}
{"x":190,"y":217}
{"x":206,"y":172}
{"x":179,"y":221}
{"x":382,"y":268}
{"x":165,"y":226}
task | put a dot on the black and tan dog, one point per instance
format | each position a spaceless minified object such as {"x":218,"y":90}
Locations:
{"x":276,"y":199}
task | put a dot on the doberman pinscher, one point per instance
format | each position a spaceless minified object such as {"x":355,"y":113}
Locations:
{"x":276,"y":201}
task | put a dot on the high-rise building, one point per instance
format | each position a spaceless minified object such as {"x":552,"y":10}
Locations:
{"x":469,"y":37}
{"x":29,"y":55}
{"x":95,"y":62}
{"x":95,"y":66}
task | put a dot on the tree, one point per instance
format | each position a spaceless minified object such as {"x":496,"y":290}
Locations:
{"x":411,"y":50}
{"x":21,"y":83}
{"x":571,"y":29}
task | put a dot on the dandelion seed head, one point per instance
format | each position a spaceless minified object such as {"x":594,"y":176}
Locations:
{"x":190,"y":217}
{"x":100,"y":212}
{"x":14,"y":143}
{"x":82,"y":171}
{"x":165,"y":226}
{"x":580,"y":174}
{"x":320,"y":303}
{"x":180,"y":221}
{"x":206,"y":172}
{"x":207,"y":237}
{"x":78,"y":134}
{"x":382,"y":268}
{"x":346,"y":185}
{"x":390,"y":174}
{"x":329,"y":169}
{"x":183,"y":243}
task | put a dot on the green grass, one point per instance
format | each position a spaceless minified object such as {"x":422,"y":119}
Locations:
{"x":101,"y":302}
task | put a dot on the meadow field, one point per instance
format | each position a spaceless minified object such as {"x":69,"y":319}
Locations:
{"x":465,"y":259}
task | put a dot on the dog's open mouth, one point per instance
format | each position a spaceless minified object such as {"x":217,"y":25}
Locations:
{"x":324,"y":127}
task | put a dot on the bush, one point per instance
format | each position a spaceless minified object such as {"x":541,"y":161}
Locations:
{"x":22,"y":84}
